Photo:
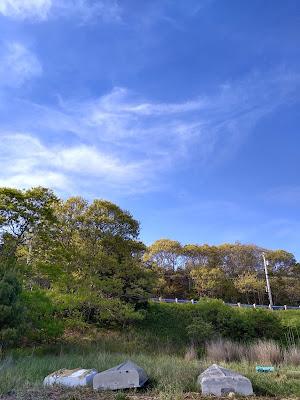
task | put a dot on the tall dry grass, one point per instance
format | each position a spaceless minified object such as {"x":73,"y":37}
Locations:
{"x":263,"y":351}
{"x":190,"y":354}
{"x":291,"y":355}
{"x":224,"y":350}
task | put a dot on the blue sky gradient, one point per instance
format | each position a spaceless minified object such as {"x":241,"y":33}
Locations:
{"x":184,"y":112}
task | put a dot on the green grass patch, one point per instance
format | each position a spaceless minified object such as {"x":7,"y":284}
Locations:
{"x":167,"y":373}
{"x":170,"y":375}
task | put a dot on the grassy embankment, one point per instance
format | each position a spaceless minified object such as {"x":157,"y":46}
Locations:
{"x":170,"y":375}
{"x":159,"y":345}
{"x":169,"y":322}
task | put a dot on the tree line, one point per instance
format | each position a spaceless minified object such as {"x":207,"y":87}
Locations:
{"x":69,"y":263}
{"x":232,"y":272}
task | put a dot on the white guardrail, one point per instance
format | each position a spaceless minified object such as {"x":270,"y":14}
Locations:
{"x":182,"y":301}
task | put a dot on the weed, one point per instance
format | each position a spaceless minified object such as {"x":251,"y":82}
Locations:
{"x":120,"y":396}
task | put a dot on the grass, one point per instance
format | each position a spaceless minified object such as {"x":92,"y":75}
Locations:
{"x":89,"y":394}
{"x":278,"y":383}
{"x":161,"y":350}
{"x":265,"y":352}
{"x":171,"y":376}
{"x":167,"y":373}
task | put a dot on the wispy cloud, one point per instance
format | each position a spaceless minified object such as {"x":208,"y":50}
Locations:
{"x":17,"y":64}
{"x":26,"y":9}
{"x":41,"y":10}
{"x":208,"y":125}
{"x":130,"y":142}
{"x":88,"y":10}
{"x":26,"y":161}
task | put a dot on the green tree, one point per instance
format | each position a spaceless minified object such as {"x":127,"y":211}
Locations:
{"x":93,"y":254}
{"x":22,"y":213}
{"x":42,"y":322}
{"x":201,"y":256}
{"x":280,"y":261}
{"x":241,"y":264}
{"x":211,"y":282}
{"x":11,"y":309}
{"x":165,"y":253}
{"x":251,"y":286}
{"x":239,"y":258}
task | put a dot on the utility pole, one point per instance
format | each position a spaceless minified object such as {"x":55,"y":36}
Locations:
{"x":266,"y":263}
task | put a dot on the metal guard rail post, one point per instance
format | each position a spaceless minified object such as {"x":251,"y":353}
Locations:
{"x":192,"y":301}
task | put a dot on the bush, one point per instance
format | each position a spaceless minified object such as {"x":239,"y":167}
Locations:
{"x":263,"y":324}
{"x":81,"y":311}
{"x":177,"y":322}
{"x":42,"y":324}
{"x":290,"y":320}
{"x":199,"y":330}
{"x":226,"y":321}
{"x":11,"y":309}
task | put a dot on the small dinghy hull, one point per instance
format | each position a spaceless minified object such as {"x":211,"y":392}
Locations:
{"x":124,"y":376}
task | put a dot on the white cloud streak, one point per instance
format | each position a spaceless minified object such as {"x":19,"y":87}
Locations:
{"x":87,"y":10}
{"x":24,"y":9}
{"x":198,"y":127}
{"x":41,"y":10}
{"x":17,"y":65}
{"x":129,"y":143}
{"x":26,"y":161}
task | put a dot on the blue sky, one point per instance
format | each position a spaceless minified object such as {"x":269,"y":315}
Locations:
{"x":184,"y":112}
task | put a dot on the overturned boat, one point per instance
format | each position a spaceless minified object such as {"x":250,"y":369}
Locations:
{"x":124,"y":376}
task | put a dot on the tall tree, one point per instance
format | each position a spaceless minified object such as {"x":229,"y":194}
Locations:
{"x":239,"y":258}
{"x":11,"y":309}
{"x":93,"y":253}
{"x":165,"y":253}
{"x":280,"y":261}
{"x":251,"y":286}
{"x":212,"y":282}
{"x":201,"y":255}
{"x":22,"y":213}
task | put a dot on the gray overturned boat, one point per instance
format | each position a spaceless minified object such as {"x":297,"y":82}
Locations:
{"x":220,"y":381}
{"x":124,"y":376}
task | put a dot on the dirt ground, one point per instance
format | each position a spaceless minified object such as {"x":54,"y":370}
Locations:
{"x":88,"y":394}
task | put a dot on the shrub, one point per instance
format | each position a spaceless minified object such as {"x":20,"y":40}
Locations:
{"x":42,"y":324}
{"x":226,"y":321}
{"x":86,"y":309}
{"x":181,"y":322}
{"x":290,"y":321}
{"x":262,"y":324}
{"x":199,"y":330}
{"x":11,"y":309}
